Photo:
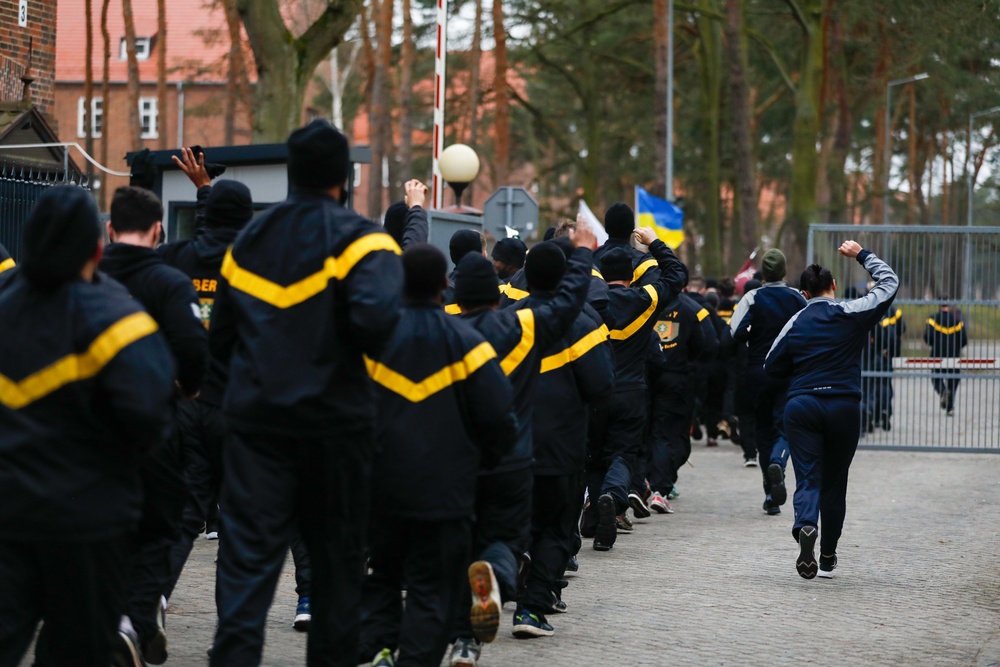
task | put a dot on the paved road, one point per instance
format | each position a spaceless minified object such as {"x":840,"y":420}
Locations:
{"x":715,"y":583}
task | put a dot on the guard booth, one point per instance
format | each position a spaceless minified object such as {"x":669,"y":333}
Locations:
{"x":261,"y":167}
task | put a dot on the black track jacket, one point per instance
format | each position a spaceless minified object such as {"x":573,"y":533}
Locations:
{"x":85,"y":389}
{"x":168,"y":296}
{"x":308,"y":287}
{"x":446,"y":411}
{"x":522,"y":335}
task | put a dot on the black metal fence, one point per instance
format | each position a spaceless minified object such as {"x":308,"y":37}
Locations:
{"x":20,"y":187}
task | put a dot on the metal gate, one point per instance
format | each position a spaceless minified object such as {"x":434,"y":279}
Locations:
{"x":906,"y":390}
{"x":20,"y":187}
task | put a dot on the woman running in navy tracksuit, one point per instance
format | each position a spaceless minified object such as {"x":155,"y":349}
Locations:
{"x":820,"y":350}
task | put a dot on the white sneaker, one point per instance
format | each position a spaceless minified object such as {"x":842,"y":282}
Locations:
{"x":214,"y":535}
{"x":659,"y":504}
{"x":486,"y":604}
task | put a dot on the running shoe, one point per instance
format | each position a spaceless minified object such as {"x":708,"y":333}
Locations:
{"x":674,"y":493}
{"x":607,"y":530}
{"x":750,"y":462}
{"x":827,"y":564}
{"x":770,"y":507}
{"x":528,"y":625}
{"x":125,"y":652}
{"x":384,"y":659}
{"x":486,"y":604}
{"x":465,"y":653}
{"x":573,"y":565}
{"x":303,"y":615}
{"x":776,"y":480}
{"x":155,"y":650}
{"x":659,"y":504}
{"x":638,"y":506}
{"x":806,"y":564}
{"x":624,"y":524}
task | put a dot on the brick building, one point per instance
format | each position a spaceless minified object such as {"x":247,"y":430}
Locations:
{"x":197,"y":53}
{"x":33,"y":45}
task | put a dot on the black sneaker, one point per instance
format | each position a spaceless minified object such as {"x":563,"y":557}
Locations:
{"x":607,"y":529}
{"x":573,"y":565}
{"x":770,"y":507}
{"x":588,"y":521}
{"x":827,"y":564}
{"x":638,"y":506}
{"x":558,"y":606}
{"x":155,"y":649}
{"x":806,"y":564}
{"x":125,"y":652}
{"x":528,"y":625}
{"x":776,"y":480}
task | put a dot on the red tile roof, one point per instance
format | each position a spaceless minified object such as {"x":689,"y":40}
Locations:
{"x":197,"y":41}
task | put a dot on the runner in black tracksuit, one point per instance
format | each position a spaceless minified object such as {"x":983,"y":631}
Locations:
{"x":686,"y":335}
{"x":616,"y":429}
{"x":619,"y":221}
{"x":520,"y":336}
{"x":167,"y":294}
{"x":946,"y":335}
{"x":758,"y":318}
{"x":711,"y":370}
{"x":86,"y":387}
{"x":308,"y":288}
{"x":576,"y":371}
{"x":432,"y":441}
{"x":884,"y":344}
{"x":223,"y":210}
{"x":820,"y":349}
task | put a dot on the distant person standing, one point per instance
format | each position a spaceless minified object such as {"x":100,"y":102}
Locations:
{"x":819,"y":350}
{"x":945,"y":333}
{"x":307,"y":290}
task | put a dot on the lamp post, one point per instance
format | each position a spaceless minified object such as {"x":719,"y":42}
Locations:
{"x":970,"y":185}
{"x":459,"y":166}
{"x":888,"y":132}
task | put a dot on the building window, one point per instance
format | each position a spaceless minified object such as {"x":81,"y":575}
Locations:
{"x":149,"y":117}
{"x":96,"y":117}
{"x":142,"y":48}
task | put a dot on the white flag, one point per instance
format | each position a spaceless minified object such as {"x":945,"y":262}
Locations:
{"x":595,"y":225}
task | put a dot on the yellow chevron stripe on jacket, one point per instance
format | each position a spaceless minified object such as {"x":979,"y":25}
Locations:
{"x":576,"y":350}
{"x":596,"y":274}
{"x":642,"y":268}
{"x":513,"y":293}
{"x":947,"y":331}
{"x":889,"y":321}
{"x":627,"y":332}
{"x":7,"y":264}
{"x":76,"y":367}
{"x":432,"y":384}
{"x":453,"y":309}
{"x":294,"y":294}
{"x":521,"y":350}
{"x":702,"y":314}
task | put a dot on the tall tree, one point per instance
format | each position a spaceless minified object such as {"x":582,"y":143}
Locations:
{"x":379,"y":119}
{"x":161,"y":67}
{"x":502,"y":106}
{"x":105,"y":97}
{"x":661,"y":41}
{"x":406,"y":57}
{"x":88,"y":87}
{"x":286,"y":62}
{"x":736,"y":55}
{"x":710,"y":55}
{"x":135,"y":124}
{"x":235,"y":70}
{"x":475,"y":65}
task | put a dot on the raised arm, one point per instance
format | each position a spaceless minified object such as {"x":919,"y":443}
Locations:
{"x":870,"y":308}
{"x":671,"y":280}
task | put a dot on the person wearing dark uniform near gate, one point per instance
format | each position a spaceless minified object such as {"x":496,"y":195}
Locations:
{"x":308,"y":288}
{"x":406,"y":221}
{"x":86,"y":382}
{"x":946,"y":335}
{"x":758,"y":318}
{"x":461,"y":244}
{"x":167,"y":294}
{"x":885,"y":344}
{"x":819,"y":350}
{"x":616,"y":429}
{"x":223,"y":210}
{"x":520,"y":335}
{"x":447,"y":412}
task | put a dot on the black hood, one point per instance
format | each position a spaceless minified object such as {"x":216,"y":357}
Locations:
{"x":121,"y":261}
{"x":211,"y":243}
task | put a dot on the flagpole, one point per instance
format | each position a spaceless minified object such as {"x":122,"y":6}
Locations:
{"x":440,"y":55}
{"x":635,"y":211}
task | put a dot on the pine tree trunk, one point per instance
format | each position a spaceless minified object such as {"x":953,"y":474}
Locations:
{"x":711,"y":74}
{"x":406,"y":94}
{"x":105,"y":99}
{"x":836,"y":167}
{"x":378,"y":115}
{"x":88,"y":88}
{"x":746,"y":196}
{"x":660,"y":80}
{"x":234,"y":67}
{"x":911,"y":172}
{"x":135,"y":123}
{"x":474,"y":67}
{"x":502,"y":110}
{"x":161,"y":70}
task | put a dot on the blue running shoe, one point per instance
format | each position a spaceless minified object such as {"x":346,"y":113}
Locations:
{"x":528,"y":625}
{"x":303,"y":616}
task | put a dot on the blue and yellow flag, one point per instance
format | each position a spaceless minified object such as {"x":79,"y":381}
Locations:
{"x":666,"y":219}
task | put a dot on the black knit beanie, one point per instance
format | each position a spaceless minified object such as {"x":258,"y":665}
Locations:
{"x":319,"y":157}
{"x":564,"y":244}
{"x":476,"y":280}
{"x":463,"y":242}
{"x":619,"y":221}
{"x":61,"y":234}
{"x":511,"y":251}
{"x":229,"y":204}
{"x":545,"y":266}
{"x":395,"y":220}
{"x":616,"y":264}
